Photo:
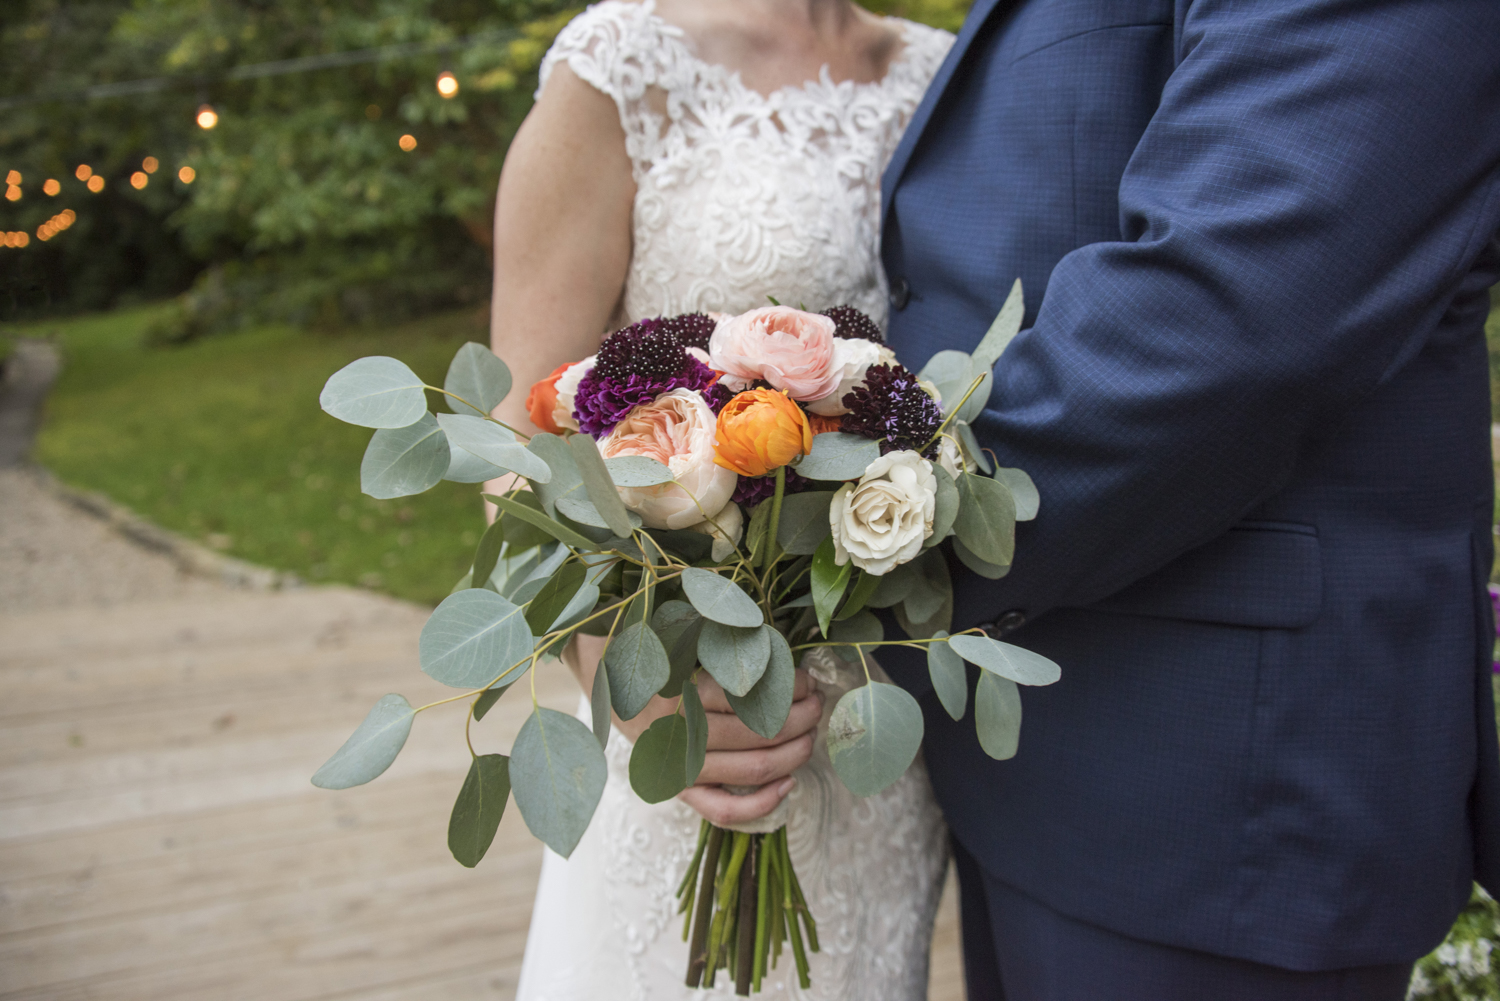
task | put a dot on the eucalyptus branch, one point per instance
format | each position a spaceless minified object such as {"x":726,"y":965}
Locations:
{"x":479,"y":411}
{"x":952,"y":414}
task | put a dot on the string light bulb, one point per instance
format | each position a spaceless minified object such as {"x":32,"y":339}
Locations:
{"x":138,"y":180}
{"x":96,"y":184}
{"x":186,"y":175}
{"x":84,"y":172}
{"x":447,"y":85}
{"x":207,"y":116}
{"x":51,"y":187}
{"x":13,"y":193}
{"x":13,"y":178}
{"x":150,"y":164}
{"x":407,"y":142}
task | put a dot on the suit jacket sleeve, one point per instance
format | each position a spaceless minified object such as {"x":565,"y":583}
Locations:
{"x":1317,"y":184}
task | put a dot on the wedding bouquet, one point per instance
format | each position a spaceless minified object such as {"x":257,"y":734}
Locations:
{"x":723,"y":494}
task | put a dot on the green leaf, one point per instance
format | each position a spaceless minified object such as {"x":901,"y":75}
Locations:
{"x":531,"y":516}
{"x":766,"y":706}
{"x":372,"y":747}
{"x":375,"y":392}
{"x":690,"y":547}
{"x":864,"y":589}
{"x":837,"y":456}
{"x":971,"y":445}
{"x":945,"y":507}
{"x":946,"y":669}
{"x":582,"y":511}
{"x":873,"y":736}
{"x":804,"y":522}
{"x":861,"y":628}
{"x":967,"y":558}
{"x":565,"y":481}
{"x":1028,"y":500}
{"x":949,"y":372}
{"x":637,"y":471}
{"x":678,"y":624}
{"x":828,"y":582}
{"x":658,"y":769}
{"x":555,"y":596}
{"x":894,"y":586}
{"x":735,"y":656}
{"x":1007,"y":324}
{"x":487,"y":700}
{"x":521,"y":537}
{"x":1006,"y":659}
{"x":472,"y":637}
{"x":599,"y":705}
{"x":400,"y":462}
{"x":986,"y":521}
{"x":600,"y":488}
{"x":557,"y":774}
{"x":934,"y":590}
{"x":697,"y":731}
{"x":478,"y":809}
{"x":487,"y":554}
{"x":720,"y":599}
{"x":494,"y":444}
{"x":997,"y":715}
{"x":638,"y":666}
{"x":466,"y":467}
{"x":755,"y":534}
{"x":478,"y":376}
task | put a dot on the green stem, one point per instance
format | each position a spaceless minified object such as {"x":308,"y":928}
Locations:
{"x":762,"y":911}
{"x":698,"y":949}
{"x":772,"y":546}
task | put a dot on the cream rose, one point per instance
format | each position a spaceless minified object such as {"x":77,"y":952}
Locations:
{"x":852,"y":358}
{"x":788,"y":348}
{"x":567,"y":389}
{"x":883,"y":520}
{"x":677,"y":430}
{"x":952,"y":459}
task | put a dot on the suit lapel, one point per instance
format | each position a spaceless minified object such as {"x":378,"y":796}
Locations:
{"x":978,"y":14}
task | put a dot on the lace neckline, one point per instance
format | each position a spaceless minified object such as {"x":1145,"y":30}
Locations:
{"x":897,"y":69}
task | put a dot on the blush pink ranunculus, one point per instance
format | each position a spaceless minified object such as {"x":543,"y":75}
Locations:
{"x":677,"y":430}
{"x":786,"y":347}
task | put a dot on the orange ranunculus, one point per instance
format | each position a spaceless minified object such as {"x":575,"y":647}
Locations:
{"x":543,"y":398}
{"x":822,"y":425}
{"x":759,"y":431}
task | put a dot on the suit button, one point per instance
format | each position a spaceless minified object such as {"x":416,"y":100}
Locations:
{"x":900,"y":293}
{"x":1005,"y":624}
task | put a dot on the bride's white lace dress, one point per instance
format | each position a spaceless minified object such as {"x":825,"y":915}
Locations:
{"x":740,"y":196}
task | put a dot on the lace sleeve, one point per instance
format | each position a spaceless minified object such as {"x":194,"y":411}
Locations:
{"x":611,"y":47}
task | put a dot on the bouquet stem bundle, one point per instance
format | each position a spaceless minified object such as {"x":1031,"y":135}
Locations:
{"x":742,"y":902}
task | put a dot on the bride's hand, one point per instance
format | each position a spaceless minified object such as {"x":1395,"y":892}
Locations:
{"x":738,"y":756}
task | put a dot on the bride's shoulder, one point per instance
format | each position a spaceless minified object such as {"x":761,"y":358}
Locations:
{"x":612,"y":45}
{"x":924,"y":50}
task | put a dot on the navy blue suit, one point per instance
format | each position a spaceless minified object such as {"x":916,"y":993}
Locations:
{"x":1256,"y":240}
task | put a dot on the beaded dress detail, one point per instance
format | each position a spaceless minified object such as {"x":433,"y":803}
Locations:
{"x":739,"y":196}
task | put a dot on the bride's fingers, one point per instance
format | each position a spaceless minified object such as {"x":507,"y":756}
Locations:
{"x":714,"y":701}
{"x":723,"y":808}
{"x":727,"y":732}
{"x":756,"y":767}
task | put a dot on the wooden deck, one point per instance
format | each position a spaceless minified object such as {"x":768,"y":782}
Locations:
{"x":159,"y":838}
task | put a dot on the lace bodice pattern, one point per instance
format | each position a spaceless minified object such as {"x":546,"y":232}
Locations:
{"x":741,"y":195}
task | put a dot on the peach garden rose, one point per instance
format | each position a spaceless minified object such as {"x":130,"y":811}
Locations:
{"x":677,"y":430}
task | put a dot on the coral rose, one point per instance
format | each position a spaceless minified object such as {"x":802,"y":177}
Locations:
{"x":542,"y":400}
{"x":785,"y":347}
{"x":677,"y":430}
{"x":759,"y":431}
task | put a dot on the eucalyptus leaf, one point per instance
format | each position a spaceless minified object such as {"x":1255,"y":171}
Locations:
{"x":488,"y":698}
{"x":494,"y":444}
{"x":894,"y":586}
{"x":658,"y":762}
{"x":637,"y":471}
{"x":863,"y":590}
{"x":557,"y":774}
{"x":478,"y":809}
{"x":972,"y":451}
{"x":565,"y":481}
{"x":974,"y":405}
{"x":932,"y":591}
{"x":720,"y":599}
{"x":838,"y":456}
{"x":375,"y":392}
{"x":755,"y":533}
{"x":986,"y":521}
{"x":804,"y":522}
{"x":600,"y":709}
{"x":371,"y":748}
{"x":949,"y":680}
{"x":555,"y":595}
{"x":967,"y":558}
{"x":531,"y":516}
{"x":1006,"y":659}
{"x":687,"y":546}
{"x":766,"y":706}
{"x":638,"y":666}
{"x":1028,"y":500}
{"x":997,"y":715}
{"x":577,"y":609}
{"x":862,"y":628}
{"x":466,"y":467}
{"x":945,"y":507}
{"x":582,"y":510}
{"x":600,"y":488}
{"x":400,"y":462}
{"x":949,"y":372}
{"x":1007,"y":324}
{"x":678,"y":624}
{"x":472,"y":637}
{"x":697,"y":731}
{"x":487,"y":554}
{"x":479,"y":377}
{"x":873,"y":736}
{"x":735,"y":656}
{"x":828,"y":582}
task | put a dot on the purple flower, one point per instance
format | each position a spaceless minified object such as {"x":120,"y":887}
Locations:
{"x":603,"y":401}
{"x":892,"y":408}
{"x":851,"y":324}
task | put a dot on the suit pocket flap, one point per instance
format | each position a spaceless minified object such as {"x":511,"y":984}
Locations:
{"x":1268,"y":575}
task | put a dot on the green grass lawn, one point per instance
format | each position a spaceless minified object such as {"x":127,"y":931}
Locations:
{"x":222,"y":440}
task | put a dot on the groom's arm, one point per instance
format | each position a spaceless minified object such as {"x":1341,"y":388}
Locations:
{"x":1315,"y":186}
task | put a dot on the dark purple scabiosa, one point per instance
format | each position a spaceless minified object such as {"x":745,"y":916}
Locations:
{"x":692,"y":330}
{"x":751,"y":490}
{"x":634,"y":366}
{"x":850,"y":324}
{"x":892,"y":408}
